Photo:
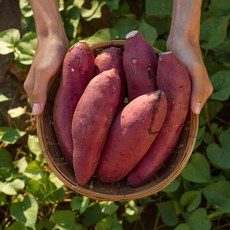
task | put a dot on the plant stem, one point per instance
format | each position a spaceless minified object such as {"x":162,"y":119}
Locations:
{"x":156,"y":221}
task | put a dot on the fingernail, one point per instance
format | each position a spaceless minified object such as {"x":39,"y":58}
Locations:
{"x":36,"y":109}
{"x":197,"y":108}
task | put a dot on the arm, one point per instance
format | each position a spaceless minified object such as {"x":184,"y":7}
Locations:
{"x":183,"y":40}
{"x":50,"y":51}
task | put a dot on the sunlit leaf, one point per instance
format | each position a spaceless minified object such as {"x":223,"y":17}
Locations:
{"x":10,"y":135}
{"x":3,"y":97}
{"x":109,"y":222}
{"x":16,"y":112}
{"x":11,"y":188}
{"x":25,"y":8}
{"x":34,"y":145}
{"x":79,"y":203}
{"x":93,"y":12}
{"x":26,"y":211}
{"x":108,"y":207}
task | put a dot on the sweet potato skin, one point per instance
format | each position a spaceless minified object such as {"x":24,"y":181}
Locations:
{"x":131,"y":134}
{"x":91,"y":122}
{"x":109,"y":58}
{"x":140,"y":64}
{"x":77,"y":71}
{"x":174,"y":80}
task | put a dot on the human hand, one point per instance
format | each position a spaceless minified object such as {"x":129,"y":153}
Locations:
{"x":46,"y":64}
{"x":190,"y":54}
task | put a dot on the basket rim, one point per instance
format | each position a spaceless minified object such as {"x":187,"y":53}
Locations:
{"x":135,"y":195}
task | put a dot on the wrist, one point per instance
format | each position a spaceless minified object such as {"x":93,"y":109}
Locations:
{"x":185,"y":22}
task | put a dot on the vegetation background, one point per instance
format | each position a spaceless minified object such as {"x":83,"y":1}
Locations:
{"x":32,"y":197}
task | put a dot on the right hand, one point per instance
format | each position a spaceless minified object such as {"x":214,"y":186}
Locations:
{"x":47,"y":62}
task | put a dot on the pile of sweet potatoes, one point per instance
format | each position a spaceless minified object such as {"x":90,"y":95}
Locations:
{"x":118,"y":114}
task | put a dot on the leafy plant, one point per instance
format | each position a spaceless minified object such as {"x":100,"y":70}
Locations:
{"x":32,"y":197}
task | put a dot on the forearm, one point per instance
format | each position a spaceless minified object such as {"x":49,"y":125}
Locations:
{"x":186,"y":20}
{"x":47,"y":17}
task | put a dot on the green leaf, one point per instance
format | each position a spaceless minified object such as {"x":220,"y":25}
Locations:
{"x":79,"y":203}
{"x":5,"y":159}
{"x":219,"y":5}
{"x":148,"y":32}
{"x":168,"y":213}
{"x":222,"y":53}
{"x":197,"y":170}
{"x":125,"y":25}
{"x":217,"y":194}
{"x":10,"y":135}
{"x":109,"y":222}
{"x":199,"y":220}
{"x":172,"y":187}
{"x":221,"y":85}
{"x":16,"y":226}
{"x":3,"y":199}
{"x":219,"y":155}
{"x":45,"y":190}
{"x":182,"y":227}
{"x":93,"y":12}
{"x":158,"y":8}
{"x":26,"y":211}
{"x":213,"y":31}
{"x":102,"y":35}
{"x":191,"y":199}
{"x":108,"y":207}
{"x":112,"y":4}
{"x":63,"y":219}
{"x":92,"y":215}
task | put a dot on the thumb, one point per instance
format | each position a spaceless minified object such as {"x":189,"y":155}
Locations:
{"x":39,"y":96}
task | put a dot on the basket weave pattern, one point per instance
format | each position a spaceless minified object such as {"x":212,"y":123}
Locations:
{"x":106,"y":191}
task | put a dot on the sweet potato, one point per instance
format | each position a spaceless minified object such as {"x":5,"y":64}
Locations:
{"x":131,"y":135}
{"x":174,"y":80}
{"x":92,"y":118}
{"x":77,"y":71}
{"x":109,"y":58}
{"x":140,"y":64}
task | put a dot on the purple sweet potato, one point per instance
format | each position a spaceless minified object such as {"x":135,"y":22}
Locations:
{"x":92,"y":119}
{"x":77,"y":71}
{"x":131,"y":135}
{"x":174,"y":80}
{"x":140,"y":64}
{"x":109,"y":58}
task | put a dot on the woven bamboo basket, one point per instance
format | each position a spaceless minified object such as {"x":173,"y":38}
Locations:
{"x":111,"y":191}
